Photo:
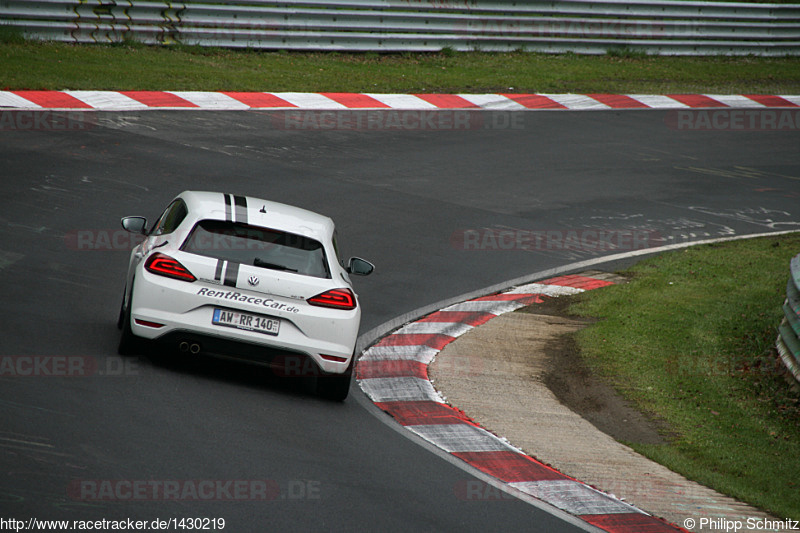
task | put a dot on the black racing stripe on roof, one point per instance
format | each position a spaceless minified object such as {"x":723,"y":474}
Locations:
{"x":241,"y":209}
{"x":218,"y":271}
{"x":227,"y":208}
{"x":231,"y":274}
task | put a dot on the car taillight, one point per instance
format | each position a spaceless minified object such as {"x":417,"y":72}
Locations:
{"x":334,"y":358}
{"x":335,"y":298}
{"x":164,"y":265}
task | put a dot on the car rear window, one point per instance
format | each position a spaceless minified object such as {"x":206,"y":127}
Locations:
{"x":257,"y":246}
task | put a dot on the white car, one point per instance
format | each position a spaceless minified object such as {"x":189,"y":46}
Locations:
{"x":250,"y":279}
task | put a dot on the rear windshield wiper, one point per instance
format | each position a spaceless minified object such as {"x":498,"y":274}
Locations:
{"x":264,"y":264}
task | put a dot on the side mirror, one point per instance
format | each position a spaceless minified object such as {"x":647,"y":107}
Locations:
{"x":360,"y":267}
{"x":135,"y":224}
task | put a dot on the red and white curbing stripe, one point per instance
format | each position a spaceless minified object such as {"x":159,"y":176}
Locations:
{"x":230,"y":100}
{"x":393,"y":373}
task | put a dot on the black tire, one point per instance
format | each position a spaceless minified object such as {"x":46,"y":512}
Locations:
{"x":336,"y":387}
{"x":129,"y":344}
{"x":121,"y":318}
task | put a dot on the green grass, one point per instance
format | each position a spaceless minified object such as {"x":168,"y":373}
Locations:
{"x":690,"y":339}
{"x":131,"y":66}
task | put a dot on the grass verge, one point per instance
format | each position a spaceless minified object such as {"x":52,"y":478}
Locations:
{"x":131,"y":66}
{"x":690,"y":340}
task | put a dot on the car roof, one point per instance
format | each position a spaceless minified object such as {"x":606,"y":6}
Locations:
{"x":204,"y":205}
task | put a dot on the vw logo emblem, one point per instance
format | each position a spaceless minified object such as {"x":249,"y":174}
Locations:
{"x":252,"y":280}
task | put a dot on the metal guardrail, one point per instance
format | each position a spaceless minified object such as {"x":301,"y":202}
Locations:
{"x":788,"y":342}
{"x":580,"y":26}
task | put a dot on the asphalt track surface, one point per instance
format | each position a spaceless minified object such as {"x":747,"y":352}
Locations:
{"x":400,"y":198}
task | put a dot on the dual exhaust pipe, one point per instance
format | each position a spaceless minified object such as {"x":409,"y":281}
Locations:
{"x":191,"y":347}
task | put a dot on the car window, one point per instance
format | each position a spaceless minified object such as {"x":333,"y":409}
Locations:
{"x":257,"y":246}
{"x":171,"y":218}
{"x":336,"y":246}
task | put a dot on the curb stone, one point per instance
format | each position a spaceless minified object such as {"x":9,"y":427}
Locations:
{"x":394,"y":375}
{"x":233,"y":100}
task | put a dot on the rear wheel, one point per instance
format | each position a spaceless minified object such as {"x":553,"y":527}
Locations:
{"x":121,"y":317}
{"x":336,"y":387}
{"x":129,"y":344}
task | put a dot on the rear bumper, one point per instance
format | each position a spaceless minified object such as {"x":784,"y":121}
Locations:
{"x":311,"y":339}
{"x":282,"y":362}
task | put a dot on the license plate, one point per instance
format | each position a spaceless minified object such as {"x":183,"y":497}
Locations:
{"x":246,"y":321}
